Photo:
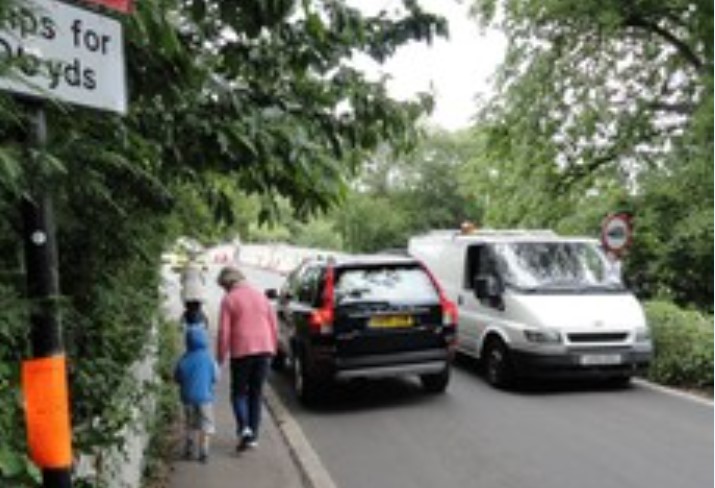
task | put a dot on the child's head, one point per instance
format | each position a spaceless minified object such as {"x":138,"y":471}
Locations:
{"x":193,"y":314}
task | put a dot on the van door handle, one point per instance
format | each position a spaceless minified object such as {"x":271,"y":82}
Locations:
{"x":460,"y":300}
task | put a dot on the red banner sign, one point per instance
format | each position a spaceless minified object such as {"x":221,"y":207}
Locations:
{"x":119,"y":5}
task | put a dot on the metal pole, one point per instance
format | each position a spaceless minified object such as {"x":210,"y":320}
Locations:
{"x":42,"y":276}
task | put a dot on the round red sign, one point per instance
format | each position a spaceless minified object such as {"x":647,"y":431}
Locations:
{"x":617,"y":233}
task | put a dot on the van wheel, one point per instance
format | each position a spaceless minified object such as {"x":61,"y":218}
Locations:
{"x":499,"y":369}
{"x":436,"y":382}
{"x":305,"y":385}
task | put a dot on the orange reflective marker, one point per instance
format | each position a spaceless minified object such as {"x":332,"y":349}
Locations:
{"x":49,"y":437}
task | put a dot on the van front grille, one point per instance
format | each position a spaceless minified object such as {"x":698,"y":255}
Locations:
{"x":580,"y":338}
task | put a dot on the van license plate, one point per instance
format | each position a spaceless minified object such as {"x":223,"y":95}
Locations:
{"x":601,"y":359}
{"x":389,"y":321}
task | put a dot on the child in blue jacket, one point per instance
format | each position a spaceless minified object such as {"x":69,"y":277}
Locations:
{"x":197,"y":373}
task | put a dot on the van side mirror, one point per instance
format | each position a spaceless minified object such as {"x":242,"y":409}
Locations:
{"x":271,"y":293}
{"x":487,"y":286}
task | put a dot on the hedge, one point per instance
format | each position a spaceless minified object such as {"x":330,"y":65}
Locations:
{"x":683,"y":342}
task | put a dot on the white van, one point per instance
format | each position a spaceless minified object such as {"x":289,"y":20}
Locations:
{"x":532,"y":303}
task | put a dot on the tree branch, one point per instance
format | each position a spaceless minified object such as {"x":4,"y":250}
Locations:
{"x":683,"y":108}
{"x":681,"y":46}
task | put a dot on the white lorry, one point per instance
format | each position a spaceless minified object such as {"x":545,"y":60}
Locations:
{"x":532,"y":303}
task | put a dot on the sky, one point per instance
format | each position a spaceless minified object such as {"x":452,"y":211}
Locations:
{"x":456,"y":70}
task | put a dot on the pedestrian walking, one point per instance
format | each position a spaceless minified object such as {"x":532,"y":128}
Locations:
{"x":193,"y":284}
{"x":193,"y":280}
{"x":197,"y":373}
{"x":247,"y":334}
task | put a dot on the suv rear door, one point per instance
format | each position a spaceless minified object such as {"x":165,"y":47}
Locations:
{"x":385,"y":308}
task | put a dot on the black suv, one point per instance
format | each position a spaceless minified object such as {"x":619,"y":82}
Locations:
{"x":363,"y":316}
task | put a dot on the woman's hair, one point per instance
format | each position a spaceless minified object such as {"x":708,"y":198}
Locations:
{"x":229,"y":276}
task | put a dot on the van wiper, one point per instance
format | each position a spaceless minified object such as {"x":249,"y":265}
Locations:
{"x":607,"y":287}
{"x":563,"y":285}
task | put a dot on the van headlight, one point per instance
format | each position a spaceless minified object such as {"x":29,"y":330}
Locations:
{"x":543,"y":336}
{"x":643,"y":335}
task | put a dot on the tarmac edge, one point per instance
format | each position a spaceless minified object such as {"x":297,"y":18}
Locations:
{"x":311,"y":468}
{"x":674,"y":392}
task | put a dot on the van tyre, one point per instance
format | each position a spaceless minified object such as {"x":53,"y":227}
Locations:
{"x":499,"y":369}
{"x":305,"y":384}
{"x":436,"y":382}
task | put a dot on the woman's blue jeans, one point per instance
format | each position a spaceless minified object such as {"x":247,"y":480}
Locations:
{"x":248,"y":374}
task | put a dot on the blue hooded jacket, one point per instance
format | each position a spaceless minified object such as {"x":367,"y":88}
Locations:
{"x":196,"y":372}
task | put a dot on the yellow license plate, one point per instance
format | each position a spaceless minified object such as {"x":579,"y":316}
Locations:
{"x":389,"y":321}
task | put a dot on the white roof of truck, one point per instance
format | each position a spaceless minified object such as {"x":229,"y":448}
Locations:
{"x":501,"y":235}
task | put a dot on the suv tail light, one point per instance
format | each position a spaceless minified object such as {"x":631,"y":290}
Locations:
{"x":321,"y":320}
{"x":450,"y":313}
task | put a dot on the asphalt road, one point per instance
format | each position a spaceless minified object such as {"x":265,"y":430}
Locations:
{"x":390,"y":434}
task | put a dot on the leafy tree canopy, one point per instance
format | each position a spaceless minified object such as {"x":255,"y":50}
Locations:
{"x":265,"y":90}
{"x":589,"y":86}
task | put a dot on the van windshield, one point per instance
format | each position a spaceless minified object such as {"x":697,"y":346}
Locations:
{"x":556,"y":266}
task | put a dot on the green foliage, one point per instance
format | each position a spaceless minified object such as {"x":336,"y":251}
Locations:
{"x":317,"y":233}
{"x":15,"y":467}
{"x":672,"y":255}
{"x":683,"y":342}
{"x":398,"y":194}
{"x":368,"y":223}
{"x":597,"y":81}
{"x":162,"y":425}
{"x":280,"y":110}
{"x":588,"y":96}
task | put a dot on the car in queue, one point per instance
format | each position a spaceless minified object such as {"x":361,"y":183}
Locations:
{"x":364,"y":316}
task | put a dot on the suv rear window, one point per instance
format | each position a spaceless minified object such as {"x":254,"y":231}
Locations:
{"x":403,"y":284}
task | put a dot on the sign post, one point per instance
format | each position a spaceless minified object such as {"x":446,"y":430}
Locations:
{"x":44,"y":377}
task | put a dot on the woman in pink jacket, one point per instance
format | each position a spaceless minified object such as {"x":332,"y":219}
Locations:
{"x":247,"y":334}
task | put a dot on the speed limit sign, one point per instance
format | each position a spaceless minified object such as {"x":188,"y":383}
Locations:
{"x":617,"y":233}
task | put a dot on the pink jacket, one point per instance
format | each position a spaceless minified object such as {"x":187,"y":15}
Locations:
{"x":247,"y":324}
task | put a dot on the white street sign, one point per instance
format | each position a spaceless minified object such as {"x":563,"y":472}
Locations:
{"x":63,"y":52}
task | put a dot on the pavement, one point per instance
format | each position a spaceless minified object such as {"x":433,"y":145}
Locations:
{"x":283,"y":459}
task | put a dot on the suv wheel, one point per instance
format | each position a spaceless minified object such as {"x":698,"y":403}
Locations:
{"x":436,"y":382}
{"x":304,"y":383}
{"x":499,"y":370}
{"x":278,"y":362}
